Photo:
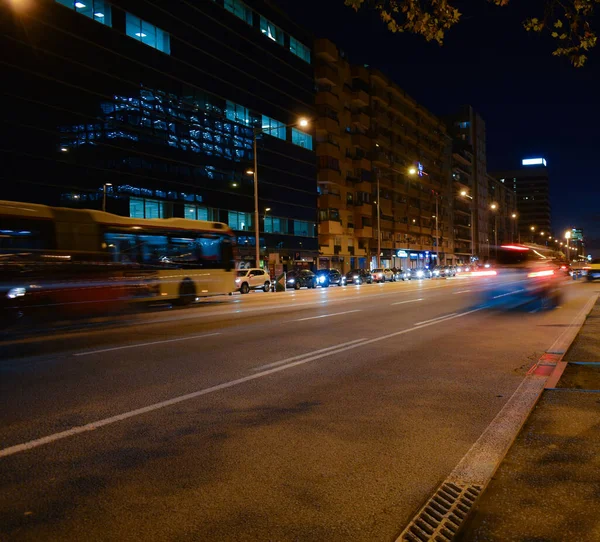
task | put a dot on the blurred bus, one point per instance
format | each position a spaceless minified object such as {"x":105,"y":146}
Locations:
{"x":62,"y":256}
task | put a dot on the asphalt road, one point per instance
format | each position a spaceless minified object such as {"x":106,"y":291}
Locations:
{"x":313,"y":415}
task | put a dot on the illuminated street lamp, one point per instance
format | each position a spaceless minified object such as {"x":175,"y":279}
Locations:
{"x":106,"y":185}
{"x":567,"y":237}
{"x":515,"y":227}
{"x":494,"y":207}
{"x":302,"y":123}
{"x":413,"y":171}
{"x":465,"y":194}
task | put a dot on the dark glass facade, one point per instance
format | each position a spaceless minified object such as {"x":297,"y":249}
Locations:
{"x":156,"y":103}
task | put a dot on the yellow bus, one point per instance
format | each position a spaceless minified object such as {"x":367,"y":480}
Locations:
{"x":171,"y":259}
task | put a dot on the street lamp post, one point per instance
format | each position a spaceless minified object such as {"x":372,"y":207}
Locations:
{"x":378,"y":223}
{"x":567,"y":237}
{"x":532,"y":233}
{"x":494,"y":207}
{"x":106,"y":185}
{"x":413,"y":171}
{"x":515,"y":226}
{"x":257,"y":131}
{"x":471,"y":208}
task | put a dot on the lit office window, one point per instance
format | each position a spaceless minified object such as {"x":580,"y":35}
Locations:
{"x":299,"y":49}
{"x":237,"y":113}
{"x":271,"y":31}
{"x":239,"y":221}
{"x":146,"y":208}
{"x":193,"y":212}
{"x":239,"y":9}
{"x":136,"y":207}
{"x":147,"y":33}
{"x":301,"y":139}
{"x":273,"y":127}
{"x":98,"y":10}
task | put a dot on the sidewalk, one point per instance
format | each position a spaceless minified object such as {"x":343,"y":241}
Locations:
{"x":548,"y":486}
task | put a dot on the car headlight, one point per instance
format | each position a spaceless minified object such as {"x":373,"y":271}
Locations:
{"x":420,"y":273}
{"x":322,"y":279}
{"x":291,"y":281}
{"x":487,"y":266}
{"x":355,"y":277}
{"x":16,"y":292}
{"x":238,"y":280}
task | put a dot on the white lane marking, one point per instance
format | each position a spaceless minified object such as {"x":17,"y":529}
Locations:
{"x":307,"y":354}
{"x":508,"y":293}
{"x":461,"y":292}
{"x":139,"y":345}
{"x":325,"y":315}
{"x":156,"y":406}
{"x":435,"y":319}
{"x":408,"y":301}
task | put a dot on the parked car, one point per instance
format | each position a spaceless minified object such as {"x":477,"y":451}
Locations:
{"x":450,"y":271}
{"x":325,"y":277}
{"x":403,"y":274}
{"x":358,"y":276}
{"x":382,"y":275}
{"x":303,"y":278}
{"x":422,"y":273}
{"x":252,"y":279}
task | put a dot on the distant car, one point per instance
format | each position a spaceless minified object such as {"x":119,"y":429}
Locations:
{"x":403,"y":274}
{"x":301,"y":279}
{"x":325,"y":277}
{"x":252,"y":279}
{"x":358,"y":276}
{"x":382,"y":275}
{"x":450,"y":271}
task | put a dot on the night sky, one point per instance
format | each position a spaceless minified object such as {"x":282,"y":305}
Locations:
{"x":534,"y":104}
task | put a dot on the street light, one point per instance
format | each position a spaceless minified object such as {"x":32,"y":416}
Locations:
{"x":464,"y":194}
{"x":494,"y":207}
{"x":413,"y":171}
{"x":515,"y":226}
{"x":567,"y":237}
{"x":301,"y":122}
{"x":106,"y":185}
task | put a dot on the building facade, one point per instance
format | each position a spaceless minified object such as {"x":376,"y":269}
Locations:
{"x":502,"y":216}
{"x":384,"y":169}
{"x":531,"y":186}
{"x":155,"y":105}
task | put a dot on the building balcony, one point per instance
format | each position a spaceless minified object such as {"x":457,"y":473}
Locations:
{"x":361,"y":163}
{"x":327,"y":148}
{"x":379,"y":158}
{"x":332,"y":176}
{"x":327,"y":75}
{"x":330,"y":227}
{"x":380,"y":95}
{"x":329,"y":125}
{"x":364,"y":209}
{"x":327,"y":98}
{"x":360,"y":72}
{"x":387,"y":225}
{"x":364,"y":186}
{"x":362,"y":119}
{"x":362,"y":141}
{"x":326,"y":50}
{"x":327,"y":201}
{"x":364,"y":233}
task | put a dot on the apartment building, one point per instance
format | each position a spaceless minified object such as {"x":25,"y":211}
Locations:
{"x":383,"y":170}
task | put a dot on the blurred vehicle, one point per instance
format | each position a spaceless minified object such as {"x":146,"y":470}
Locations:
{"x":86,"y":260}
{"x":450,"y":271}
{"x":358,"y":276}
{"x":437,"y":272}
{"x":252,"y":279}
{"x":382,"y":275}
{"x":521,"y":275}
{"x":403,"y":274}
{"x":593,"y":270}
{"x":422,"y":273}
{"x":302,"y":278}
{"x":325,"y":277}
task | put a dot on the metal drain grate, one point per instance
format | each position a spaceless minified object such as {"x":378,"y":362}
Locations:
{"x":441,"y":517}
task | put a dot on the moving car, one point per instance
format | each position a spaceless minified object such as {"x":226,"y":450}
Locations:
{"x":593,"y":269}
{"x":382,"y":275}
{"x":358,"y":276}
{"x":252,"y":279}
{"x":403,"y":274}
{"x":422,"y":273}
{"x":521,"y":275}
{"x":325,"y":277}
{"x":301,"y":279}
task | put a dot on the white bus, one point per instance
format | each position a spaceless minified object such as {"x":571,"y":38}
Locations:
{"x":168,"y":259}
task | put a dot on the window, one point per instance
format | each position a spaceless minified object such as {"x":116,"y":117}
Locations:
{"x":147,"y":33}
{"x":239,"y":9}
{"x":304,"y":229}
{"x":146,"y":208}
{"x":299,"y":49}
{"x":273,"y":127}
{"x":271,"y":31}
{"x":275,"y":225}
{"x":237,"y":113}
{"x":239,"y":221}
{"x":98,"y":10}
{"x":193,"y":212}
{"x":301,"y":139}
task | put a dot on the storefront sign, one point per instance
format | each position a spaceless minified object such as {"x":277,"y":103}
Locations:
{"x":402,"y":254}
